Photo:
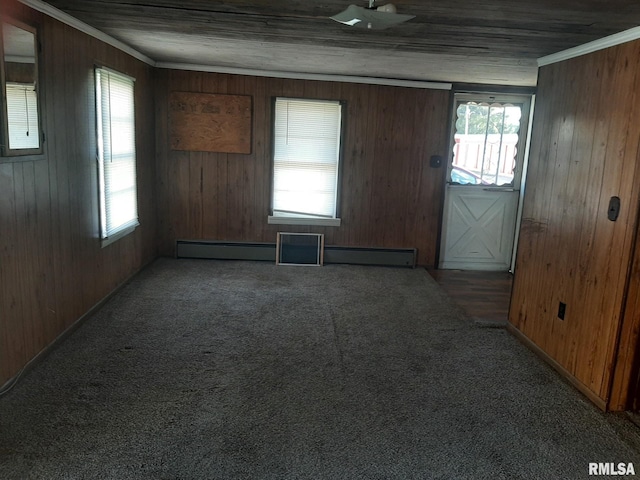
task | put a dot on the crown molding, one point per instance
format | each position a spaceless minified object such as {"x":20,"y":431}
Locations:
{"x":41,"y":6}
{"x":307,"y":76}
{"x":601,"y":44}
{"x":63,"y":17}
{"x":58,"y":14}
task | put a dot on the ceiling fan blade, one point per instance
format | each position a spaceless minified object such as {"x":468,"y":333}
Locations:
{"x":355,"y":16}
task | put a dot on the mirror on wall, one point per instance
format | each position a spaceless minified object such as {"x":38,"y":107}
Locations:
{"x":20,"y":112}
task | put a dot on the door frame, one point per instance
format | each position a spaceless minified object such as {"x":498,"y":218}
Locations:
{"x":527,"y":100}
{"x":523,"y":183}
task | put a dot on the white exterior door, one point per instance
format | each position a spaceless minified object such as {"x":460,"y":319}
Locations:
{"x":483,"y":181}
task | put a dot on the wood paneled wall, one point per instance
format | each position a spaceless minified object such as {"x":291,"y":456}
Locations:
{"x":584,"y":151}
{"x":389,"y":195}
{"x":625,"y":391}
{"x":52,"y":267}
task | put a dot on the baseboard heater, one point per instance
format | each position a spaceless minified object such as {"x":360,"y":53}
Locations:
{"x":392,"y":257}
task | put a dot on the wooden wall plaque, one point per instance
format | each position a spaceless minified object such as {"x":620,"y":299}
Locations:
{"x":205,"y":122}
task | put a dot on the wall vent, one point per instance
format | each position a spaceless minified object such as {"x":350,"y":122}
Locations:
{"x":299,"y":249}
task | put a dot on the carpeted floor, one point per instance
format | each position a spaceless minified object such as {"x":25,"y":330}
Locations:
{"x":233,"y":370}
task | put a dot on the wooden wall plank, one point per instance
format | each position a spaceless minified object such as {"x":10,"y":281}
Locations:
{"x":43,"y":256}
{"x":23,"y":188}
{"x":628,"y":187}
{"x":196,"y":189}
{"x":249,"y":215}
{"x":13,"y":354}
{"x":562,"y":221}
{"x":261,"y":189}
{"x":355,"y":193}
{"x":387,"y":196}
{"x":618,"y":181}
{"x":53,"y":268}
{"x":625,"y":389}
{"x":233,"y":167}
{"x":164,"y":171}
{"x":584,"y":151}
{"x":591,"y":178}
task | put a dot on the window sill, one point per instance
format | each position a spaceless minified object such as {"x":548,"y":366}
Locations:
{"x":118,"y":235}
{"x":32,"y":157}
{"x":318,"y":222}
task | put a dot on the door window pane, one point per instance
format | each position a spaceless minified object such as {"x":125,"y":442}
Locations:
{"x":485,"y":143}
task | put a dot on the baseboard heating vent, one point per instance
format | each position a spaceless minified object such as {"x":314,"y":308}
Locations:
{"x":385,"y":257}
{"x":388,"y":257}
{"x":226,"y":250}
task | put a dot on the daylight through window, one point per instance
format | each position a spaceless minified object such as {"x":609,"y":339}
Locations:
{"x":22,"y":116}
{"x":486,"y":143}
{"x":306,"y":156}
{"x":116,"y":153}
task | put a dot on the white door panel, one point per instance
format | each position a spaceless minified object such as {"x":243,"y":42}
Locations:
{"x":479,"y":228}
{"x":481,"y":197}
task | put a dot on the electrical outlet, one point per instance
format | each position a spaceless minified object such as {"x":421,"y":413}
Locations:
{"x":562,"y":309}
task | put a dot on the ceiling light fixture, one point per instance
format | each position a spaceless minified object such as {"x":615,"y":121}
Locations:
{"x":372,"y":17}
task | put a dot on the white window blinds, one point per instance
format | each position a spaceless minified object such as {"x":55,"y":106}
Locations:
{"x":22,"y":116}
{"x":116,"y":152}
{"x":306,"y":154}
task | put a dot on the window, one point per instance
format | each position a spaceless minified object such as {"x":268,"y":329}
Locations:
{"x":486,"y":146}
{"x":20,"y":132}
{"x":305,"y":162}
{"x":116,"y":155}
{"x":22,"y":116}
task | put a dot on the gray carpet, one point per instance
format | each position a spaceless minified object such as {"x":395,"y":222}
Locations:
{"x":232,"y":370}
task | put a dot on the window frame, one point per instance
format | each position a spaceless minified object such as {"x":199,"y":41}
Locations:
{"x":8,"y":154}
{"x":521,"y":100}
{"x":336,"y":221}
{"x":106,"y":237}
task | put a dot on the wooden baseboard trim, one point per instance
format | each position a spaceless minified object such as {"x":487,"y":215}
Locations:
{"x":599,"y":402}
{"x":9,"y":384}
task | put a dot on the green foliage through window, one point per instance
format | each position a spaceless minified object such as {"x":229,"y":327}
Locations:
{"x":486,"y":141}
{"x":474,"y":118}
